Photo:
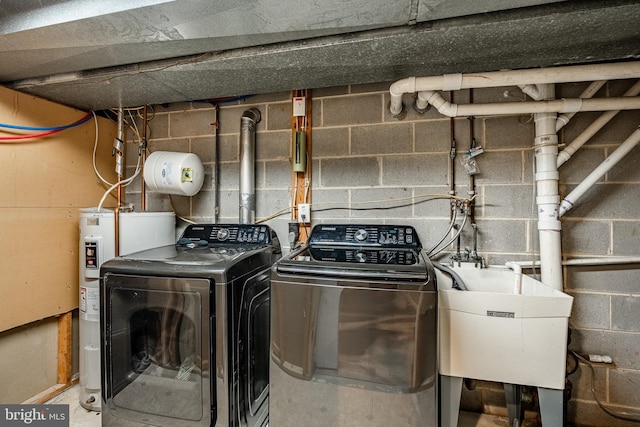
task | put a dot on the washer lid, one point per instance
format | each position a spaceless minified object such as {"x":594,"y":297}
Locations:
{"x":373,"y":265}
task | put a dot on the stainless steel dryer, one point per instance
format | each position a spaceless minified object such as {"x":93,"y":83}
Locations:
{"x":185,"y":330}
{"x":353,"y":330}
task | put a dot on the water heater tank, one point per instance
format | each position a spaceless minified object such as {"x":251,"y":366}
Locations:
{"x":138,"y":231}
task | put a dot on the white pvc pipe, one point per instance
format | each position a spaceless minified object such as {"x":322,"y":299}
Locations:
{"x":577,"y":262}
{"x":589,"y":92}
{"x":447,"y":82}
{"x":548,"y":195}
{"x":531,"y":90}
{"x":512,"y":108}
{"x":593,"y":128}
{"x":517,"y":271}
{"x":603,"y":261}
{"x":599,"y":172}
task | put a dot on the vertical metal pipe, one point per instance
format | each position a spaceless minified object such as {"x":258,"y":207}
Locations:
{"x":143,"y":154}
{"x":216,"y":167}
{"x":250,"y":118}
{"x":120,"y":173}
{"x":548,"y":195}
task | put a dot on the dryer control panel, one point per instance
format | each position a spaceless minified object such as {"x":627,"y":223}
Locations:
{"x":394,"y":236}
{"x":229,"y":234}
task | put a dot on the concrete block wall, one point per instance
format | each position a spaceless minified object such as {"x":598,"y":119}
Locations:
{"x":368,"y":167}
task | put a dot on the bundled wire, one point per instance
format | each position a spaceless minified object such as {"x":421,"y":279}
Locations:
{"x":623,"y":415}
{"x":42,"y":131}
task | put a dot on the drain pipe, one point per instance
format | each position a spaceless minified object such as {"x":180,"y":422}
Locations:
{"x":248,"y":122}
{"x":568,"y":74}
{"x":589,"y":92}
{"x":548,"y":194}
{"x":604,"y":167}
{"x":566,"y":105}
{"x":593,"y":128}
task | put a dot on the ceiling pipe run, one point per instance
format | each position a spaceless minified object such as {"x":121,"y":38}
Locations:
{"x":248,"y":122}
{"x":589,"y":92}
{"x":603,"y":168}
{"x":567,"y":105}
{"x":447,"y":82}
{"x":593,"y":128}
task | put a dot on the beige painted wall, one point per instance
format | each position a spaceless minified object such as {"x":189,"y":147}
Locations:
{"x":43,"y":183}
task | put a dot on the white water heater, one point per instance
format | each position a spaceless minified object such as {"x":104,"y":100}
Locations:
{"x":137,"y":231}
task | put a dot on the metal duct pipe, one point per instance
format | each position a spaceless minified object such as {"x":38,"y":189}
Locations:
{"x":250,"y":118}
{"x":447,"y":82}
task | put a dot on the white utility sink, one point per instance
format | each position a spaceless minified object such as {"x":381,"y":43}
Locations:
{"x":488,"y":332}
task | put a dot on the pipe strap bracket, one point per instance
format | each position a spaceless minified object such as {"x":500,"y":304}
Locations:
{"x":545,"y":140}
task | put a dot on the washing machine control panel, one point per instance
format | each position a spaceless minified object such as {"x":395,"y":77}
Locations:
{"x":207,"y":234}
{"x":395,"y":236}
{"x":364,"y":255}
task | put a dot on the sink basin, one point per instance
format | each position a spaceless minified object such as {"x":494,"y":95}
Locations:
{"x":488,"y":332}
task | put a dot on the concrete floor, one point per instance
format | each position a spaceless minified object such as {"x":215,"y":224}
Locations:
{"x":80,"y":417}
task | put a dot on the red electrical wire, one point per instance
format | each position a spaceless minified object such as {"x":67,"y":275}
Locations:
{"x":50,"y":132}
{"x":35,"y":135}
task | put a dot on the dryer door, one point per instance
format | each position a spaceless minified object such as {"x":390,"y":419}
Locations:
{"x":253,"y":348}
{"x":156,"y":351}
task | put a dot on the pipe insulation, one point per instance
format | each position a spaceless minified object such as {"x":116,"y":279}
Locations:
{"x":593,"y":128}
{"x":603,"y":168}
{"x":566,"y":105}
{"x":567,"y":74}
{"x":248,"y":122}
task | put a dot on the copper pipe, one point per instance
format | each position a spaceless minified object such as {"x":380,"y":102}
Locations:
{"x":143,"y":154}
{"x":119,"y":173}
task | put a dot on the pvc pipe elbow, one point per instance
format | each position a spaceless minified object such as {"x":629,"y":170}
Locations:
{"x":563,"y":156}
{"x":517,"y":271}
{"x":531,"y":90}
{"x":434,"y":98}
{"x":565,"y":206}
{"x":396,"y":90}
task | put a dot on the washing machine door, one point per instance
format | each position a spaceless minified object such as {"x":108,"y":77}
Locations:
{"x":156,"y":353}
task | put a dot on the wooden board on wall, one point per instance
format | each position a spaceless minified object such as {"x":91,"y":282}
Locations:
{"x":43,"y":183}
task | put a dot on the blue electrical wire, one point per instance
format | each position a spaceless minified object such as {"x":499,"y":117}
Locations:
{"x":45,"y":129}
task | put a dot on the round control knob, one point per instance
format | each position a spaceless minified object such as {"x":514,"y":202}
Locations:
{"x":360,"y":256}
{"x":361,"y":235}
{"x":223,"y":234}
